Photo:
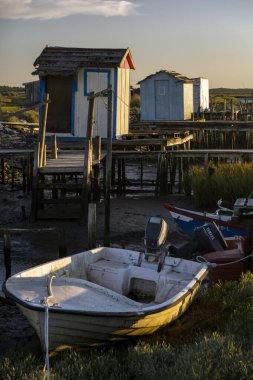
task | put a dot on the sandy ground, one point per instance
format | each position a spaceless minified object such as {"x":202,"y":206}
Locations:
{"x":128,"y":220}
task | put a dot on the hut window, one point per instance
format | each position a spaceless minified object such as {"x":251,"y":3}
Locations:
{"x":96,"y":80}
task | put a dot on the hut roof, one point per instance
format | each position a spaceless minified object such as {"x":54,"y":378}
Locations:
{"x":174,"y":74}
{"x":67,"y":60}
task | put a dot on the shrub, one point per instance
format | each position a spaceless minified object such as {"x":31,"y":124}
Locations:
{"x":227,"y":181}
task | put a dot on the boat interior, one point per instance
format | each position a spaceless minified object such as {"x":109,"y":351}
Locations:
{"x":106,"y":279}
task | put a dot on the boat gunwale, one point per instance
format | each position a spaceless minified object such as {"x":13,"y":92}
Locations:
{"x":152,"y":310}
{"x":202,"y":216}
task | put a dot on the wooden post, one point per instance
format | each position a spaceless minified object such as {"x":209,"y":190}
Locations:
{"x":62,"y":249}
{"x":44,"y":161}
{"x":119,"y":187}
{"x":108,"y":170}
{"x":225,"y":109}
{"x":86,"y":186}
{"x":7,"y":254}
{"x":54,"y":146}
{"x":24,"y":171}
{"x":91,"y":225}
{"x":158,"y":176}
{"x":232,"y":110}
{"x":42,"y":131}
{"x":3,"y":170}
{"x":36,"y":166}
{"x":113,"y":171}
{"x":123,"y":175}
{"x":141,"y":174}
{"x":97,"y":157}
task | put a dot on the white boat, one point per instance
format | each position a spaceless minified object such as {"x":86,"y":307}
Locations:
{"x":104,"y":294}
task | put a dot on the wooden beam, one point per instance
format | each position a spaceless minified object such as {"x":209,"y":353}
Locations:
{"x":91,"y":225}
{"x":87,"y":161}
{"x":42,"y":131}
{"x":108,"y":170}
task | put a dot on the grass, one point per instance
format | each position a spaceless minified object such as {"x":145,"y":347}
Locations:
{"x":10,"y":108}
{"x":226,"y":181}
{"x":213,"y":340}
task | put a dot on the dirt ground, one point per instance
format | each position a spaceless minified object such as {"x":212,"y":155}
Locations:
{"x":128,"y":220}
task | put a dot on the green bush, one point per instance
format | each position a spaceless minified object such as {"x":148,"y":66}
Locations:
{"x":135,"y":101}
{"x":226,"y":181}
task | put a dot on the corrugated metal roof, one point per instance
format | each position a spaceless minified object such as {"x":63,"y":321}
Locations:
{"x":174,"y":74}
{"x":66,"y":60}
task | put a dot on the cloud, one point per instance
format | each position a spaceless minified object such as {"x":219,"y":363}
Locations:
{"x":53,"y":9}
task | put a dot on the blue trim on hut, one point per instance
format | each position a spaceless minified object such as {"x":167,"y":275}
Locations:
{"x":86,"y":71}
{"x":42,"y":90}
{"x":74,"y":89}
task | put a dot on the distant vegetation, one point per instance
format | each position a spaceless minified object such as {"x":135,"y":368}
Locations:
{"x":237,"y":92}
{"x":13,"y":99}
{"x":213,"y":340}
{"x":226,"y":181}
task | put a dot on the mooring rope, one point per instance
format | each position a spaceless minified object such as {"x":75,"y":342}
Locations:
{"x":46,"y":327}
{"x":203,"y":260}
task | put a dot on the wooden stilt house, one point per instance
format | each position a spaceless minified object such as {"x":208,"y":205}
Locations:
{"x":70,"y":74}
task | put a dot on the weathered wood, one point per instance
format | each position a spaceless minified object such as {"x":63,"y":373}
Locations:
{"x":23,"y":110}
{"x":42,"y":130}
{"x":108,"y":170}
{"x":119,"y":184}
{"x":3,"y":170}
{"x":7,"y":254}
{"x":54,"y":146}
{"x":97,"y":156}
{"x":34,"y":204}
{"x":92,"y":225}
{"x":158,"y":175}
{"x":123,"y":175}
{"x":87,"y":161}
{"x":44,"y":161}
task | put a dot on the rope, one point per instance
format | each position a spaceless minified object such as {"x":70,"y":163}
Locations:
{"x":46,"y":324}
{"x":46,"y":327}
{"x":201,"y":259}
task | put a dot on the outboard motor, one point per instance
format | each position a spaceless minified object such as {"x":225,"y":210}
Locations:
{"x":207,"y":238}
{"x":155,"y":239}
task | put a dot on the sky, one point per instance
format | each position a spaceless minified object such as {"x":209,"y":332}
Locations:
{"x":197,"y":38}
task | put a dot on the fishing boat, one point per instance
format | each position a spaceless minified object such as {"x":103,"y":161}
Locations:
{"x":229,"y":263}
{"x":104,"y":294}
{"x":188,"y":220}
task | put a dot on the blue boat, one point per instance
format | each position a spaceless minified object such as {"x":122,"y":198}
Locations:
{"x":188,"y":220}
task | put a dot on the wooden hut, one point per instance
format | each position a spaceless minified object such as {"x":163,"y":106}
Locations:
{"x":166,"y":95}
{"x":32,"y":92}
{"x":70,"y":74}
{"x":200,"y":94}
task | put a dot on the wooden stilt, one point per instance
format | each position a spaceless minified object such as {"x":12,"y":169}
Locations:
{"x":108,"y":170}
{"x":7,"y":254}
{"x":42,"y":131}
{"x":91,"y":225}
{"x":97,"y":157}
{"x":86,"y":185}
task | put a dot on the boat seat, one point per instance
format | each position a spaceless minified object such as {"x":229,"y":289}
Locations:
{"x":110,"y":274}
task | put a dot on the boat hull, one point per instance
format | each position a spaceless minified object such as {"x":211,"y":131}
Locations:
{"x":68,"y":330}
{"x":188,"y":220}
